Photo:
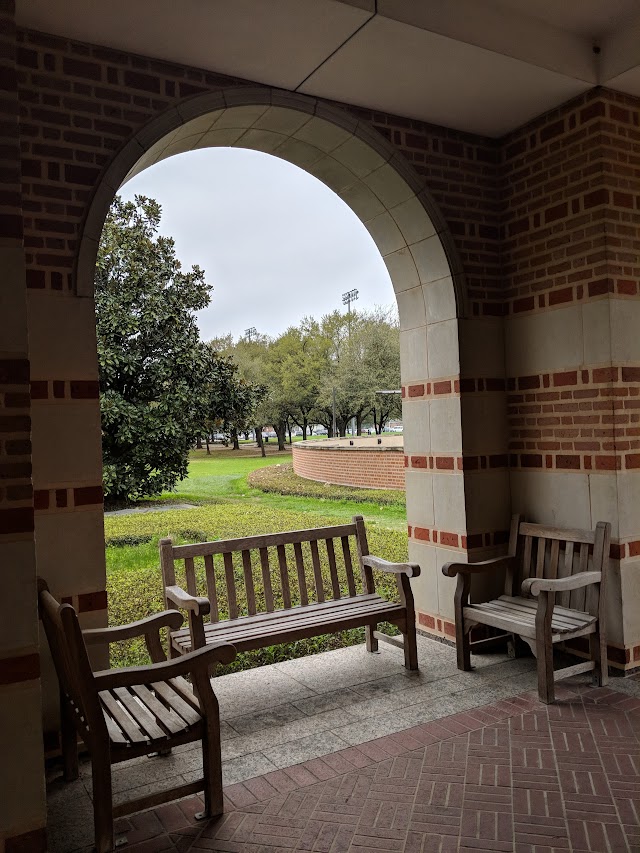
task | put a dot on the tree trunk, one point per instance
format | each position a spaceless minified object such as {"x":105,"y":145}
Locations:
{"x":199,"y":443}
{"x":305,"y":424}
{"x":359,"y":424}
{"x":234,"y":438}
{"x":289,"y":431}
{"x":208,"y":448}
{"x":280,"y":429}
{"x":260,"y":442}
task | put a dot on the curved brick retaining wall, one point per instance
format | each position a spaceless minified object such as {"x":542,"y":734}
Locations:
{"x":366,"y":464}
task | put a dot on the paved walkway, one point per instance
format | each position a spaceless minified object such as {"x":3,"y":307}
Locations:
{"x":140,"y":510}
{"x":354,"y":754}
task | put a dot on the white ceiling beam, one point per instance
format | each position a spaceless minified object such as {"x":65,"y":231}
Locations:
{"x":501,"y":31}
{"x":620,"y":51}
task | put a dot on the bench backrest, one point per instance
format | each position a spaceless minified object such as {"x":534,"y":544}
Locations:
{"x":260,"y":574}
{"x":554,"y":552}
{"x":71,"y":662}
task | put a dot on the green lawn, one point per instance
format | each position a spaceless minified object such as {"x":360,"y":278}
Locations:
{"x":227,"y":507}
{"x":222,"y":477}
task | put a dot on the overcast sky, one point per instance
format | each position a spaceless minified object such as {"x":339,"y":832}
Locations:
{"x":275,"y":243}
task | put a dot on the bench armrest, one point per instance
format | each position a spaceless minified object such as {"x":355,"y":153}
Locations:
{"x":195,"y":603}
{"x":195,"y":663}
{"x":534,"y":586}
{"x":143,"y":627}
{"x":450,"y":570}
{"x":410,"y":569}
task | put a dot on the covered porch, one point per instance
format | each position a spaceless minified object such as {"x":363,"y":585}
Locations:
{"x":494,"y":159}
{"x":347,"y":751}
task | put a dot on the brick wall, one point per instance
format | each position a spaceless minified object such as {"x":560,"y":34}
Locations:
{"x":570,"y":229}
{"x":79,"y":103}
{"x":571,"y":186}
{"x":363,"y":467}
{"x":22,"y":806}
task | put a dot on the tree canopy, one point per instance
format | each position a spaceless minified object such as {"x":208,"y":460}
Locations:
{"x":352,"y":357}
{"x":159,"y":383}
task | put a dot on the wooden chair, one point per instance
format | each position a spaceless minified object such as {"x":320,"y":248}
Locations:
{"x":565,"y":570}
{"x":126,"y":713}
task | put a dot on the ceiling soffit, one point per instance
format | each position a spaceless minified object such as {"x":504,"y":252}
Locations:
{"x":483,"y":66}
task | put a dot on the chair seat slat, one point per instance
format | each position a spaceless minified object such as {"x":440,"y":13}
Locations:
{"x":130,"y":729}
{"x":176,"y":702}
{"x":165,"y":716}
{"x":140,"y":713}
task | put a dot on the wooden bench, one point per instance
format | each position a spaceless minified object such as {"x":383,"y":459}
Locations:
{"x":565,"y":570}
{"x":126,"y":713}
{"x":265,"y":590}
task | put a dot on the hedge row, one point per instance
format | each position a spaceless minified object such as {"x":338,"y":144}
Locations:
{"x":281,"y":480}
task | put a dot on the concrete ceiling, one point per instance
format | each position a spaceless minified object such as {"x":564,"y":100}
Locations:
{"x":484,"y":66}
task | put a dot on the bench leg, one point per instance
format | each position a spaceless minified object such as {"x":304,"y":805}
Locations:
{"x":69,"y":741}
{"x":463,"y":643}
{"x":410,"y":649}
{"x":546,"y":686}
{"x":544,"y":648}
{"x":372,"y":642}
{"x":212,"y":769}
{"x":102,"y":801}
{"x":598,"y":650}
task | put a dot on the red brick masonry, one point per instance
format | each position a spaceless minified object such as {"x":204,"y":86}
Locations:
{"x":514,"y":776}
{"x":365,"y":467}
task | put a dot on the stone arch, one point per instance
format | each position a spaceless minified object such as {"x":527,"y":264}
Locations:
{"x":392,"y":201}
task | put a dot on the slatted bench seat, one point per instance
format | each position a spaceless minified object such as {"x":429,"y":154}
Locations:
{"x":279,"y":587}
{"x":560,"y":577}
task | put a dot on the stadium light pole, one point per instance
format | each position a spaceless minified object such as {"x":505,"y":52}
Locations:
{"x":347,"y":298}
{"x":251,"y":333}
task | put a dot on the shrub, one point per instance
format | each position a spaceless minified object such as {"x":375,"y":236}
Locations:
{"x":282,"y":480}
{"x":131,"y":539}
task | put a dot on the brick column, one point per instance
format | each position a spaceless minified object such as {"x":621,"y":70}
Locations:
{"x":572,"y":331}
{"x":22,"y":803}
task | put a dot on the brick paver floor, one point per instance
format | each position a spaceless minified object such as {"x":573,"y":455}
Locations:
{"x":511,"y":776}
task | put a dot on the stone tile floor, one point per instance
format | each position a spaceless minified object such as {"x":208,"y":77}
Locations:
{"x":346,"y":751}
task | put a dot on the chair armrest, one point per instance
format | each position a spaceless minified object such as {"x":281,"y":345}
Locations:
{"x":534,"y":586}
{"x":152,"y":624}
{"x":410,"y":569}
{"x":195,"y":603}
{"x":195,"y":662}
{"x":450,"y":570}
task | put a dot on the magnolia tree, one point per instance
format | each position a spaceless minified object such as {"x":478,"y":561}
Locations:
{"x":160,"y":385}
